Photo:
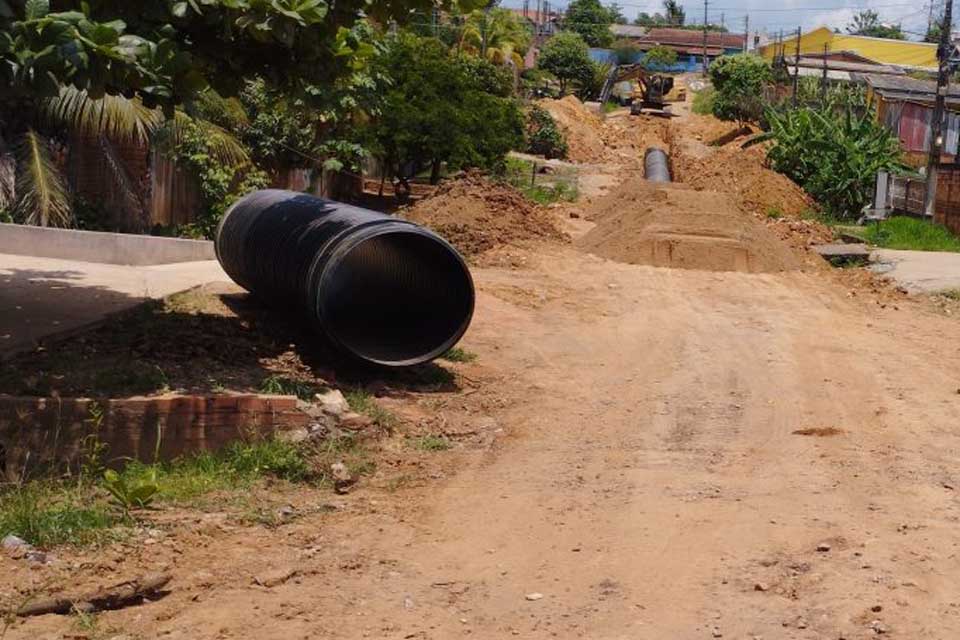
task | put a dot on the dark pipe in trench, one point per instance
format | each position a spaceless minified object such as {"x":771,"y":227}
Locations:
{"x":382,"y":290}
{"x":656,"y":165}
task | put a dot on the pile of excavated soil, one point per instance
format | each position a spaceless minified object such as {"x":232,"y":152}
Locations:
{"x":744,"y":175}
{"x":673,"y":226}
{"x":581,"y":127}
{"x":476,"y":214}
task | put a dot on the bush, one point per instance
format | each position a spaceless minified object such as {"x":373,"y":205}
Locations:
{"x":543,"y":135}
{"x":739,"y":81}
{"x":835,"y":157}
{"x":627,"y":51}
{"x":660,"y":58}
{"x":703,"y":101}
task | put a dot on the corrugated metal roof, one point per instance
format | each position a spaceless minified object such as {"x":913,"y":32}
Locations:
{"x":902,"y":53}
{"x":888,"y":85}
{"x":809,"y":72}
{"x":689,"y":37}
{"x":628,"y":30}
{"x":841,"y":65}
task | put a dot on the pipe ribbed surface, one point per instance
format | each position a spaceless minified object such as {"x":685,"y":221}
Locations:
{"x":383,"y":290}
{"x":656,"y":165}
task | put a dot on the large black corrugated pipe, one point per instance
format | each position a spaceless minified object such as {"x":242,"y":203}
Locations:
{"x":656,"y":165}
{"x":383,"y":290}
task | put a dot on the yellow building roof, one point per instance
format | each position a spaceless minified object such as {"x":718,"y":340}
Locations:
{"x":904,"y":53}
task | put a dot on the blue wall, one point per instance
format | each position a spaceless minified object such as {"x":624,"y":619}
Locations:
{"x":685,"y":62}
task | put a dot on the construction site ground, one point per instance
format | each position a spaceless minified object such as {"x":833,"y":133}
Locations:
{"x":680,"y":424}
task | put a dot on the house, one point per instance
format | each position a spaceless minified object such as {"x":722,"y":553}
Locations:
{"x":838,"y":69}
{"x":904,"y":54}
{"x":905,"y":106}
{"x":687,"y":43}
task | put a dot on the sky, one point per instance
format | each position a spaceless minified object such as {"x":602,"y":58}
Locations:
{"x":785,"y":14}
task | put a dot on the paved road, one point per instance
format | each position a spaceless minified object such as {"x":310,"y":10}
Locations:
{"x":43,"y":296}
{"x":919,"y":271}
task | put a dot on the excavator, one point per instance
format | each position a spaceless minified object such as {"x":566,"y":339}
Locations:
{"x":632,"y":85}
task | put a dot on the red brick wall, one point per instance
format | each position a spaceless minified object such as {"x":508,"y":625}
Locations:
{"x":44,"y":432}
{"x":947,"y":211}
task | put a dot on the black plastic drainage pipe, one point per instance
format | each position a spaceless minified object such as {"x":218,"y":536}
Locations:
{"x":656,"y":165}
{"x":383,"y":290}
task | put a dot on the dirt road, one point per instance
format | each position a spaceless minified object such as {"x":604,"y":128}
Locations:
{"x":684,"y":454}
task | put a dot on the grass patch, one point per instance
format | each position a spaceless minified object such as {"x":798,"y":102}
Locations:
{"x":458,"y":354}
{"x":703,"y":101}
{"x":560,"y":186}
{"x":47,"y":513}
{"x":774,"y":213}
{"x":949,"y":294}
{"x":902,"y":232}
{"x":281,"y":386}
{"x":550,"y":193}
{"x":431,"y":443}
{"x":362,"y":401}
{"x":610,"y":106}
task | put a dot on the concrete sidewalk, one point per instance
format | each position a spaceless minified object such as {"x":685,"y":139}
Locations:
{"x":919,"y":271}
{"x":40,"y":297}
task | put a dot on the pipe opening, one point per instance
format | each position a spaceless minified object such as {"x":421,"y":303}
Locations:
{"x":396,"y":298}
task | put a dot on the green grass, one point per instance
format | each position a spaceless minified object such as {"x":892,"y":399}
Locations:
{"x":362,"y":401}
{"x":48,"y":512}
{"x":950,"y":294}
{"x":610,"y":105}
{"x":281,"y":386}
{"x":703,"y":101}
{"x":774,"y":213}
{"x":550,"y":193}
{"x":431,"y":443}
{"x":457,"y":354}
{"x":546,"y":189}
{"x":901,"y":232}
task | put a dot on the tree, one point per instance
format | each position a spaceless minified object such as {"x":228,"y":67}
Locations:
{"x":566,"y":56}
{"x":933,"y":33}
{"x":442,"y":108}
{"x":497,"y":35}
{"x":660,"y":57}
{"x":616,"y":14}
{"x":674,"y":13}
{"x":591,"y":20}
{"x":867,"y":23}
{"x":739,"y":81}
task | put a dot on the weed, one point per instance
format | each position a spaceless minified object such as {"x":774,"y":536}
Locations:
{"x":281,"y":386}
{"x":703,"y":101}
{"x":458,"y":354}
{"x":92,"y":449}
{"x":46,"y":513}
{"x":610,"y":106}
{"x":129,"y":492}
{"x":950,"y":294}
{"x":362,"y":401}
{"x":431,"y":443}
{"x":550,"y":193}
{"x":774,"y":213}
{"x":902,"y":232}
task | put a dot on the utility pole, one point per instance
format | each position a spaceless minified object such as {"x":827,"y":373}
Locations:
{"x":796,"y":71}
{"x":823,"y":81}
{"x":536,"y":25}
{"x":723,"y":21}
{"x":936,"y":127}
{"x":705,"y":3}
{"x":746,"y":33}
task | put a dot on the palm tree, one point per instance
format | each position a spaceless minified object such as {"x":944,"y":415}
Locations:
{"x":32,"y":187}
{"x":495,"y":34}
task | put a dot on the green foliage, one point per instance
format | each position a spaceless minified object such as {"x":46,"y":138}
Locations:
{"x":739,"y":81}
{"x":431,"y":443}
{"x":660,"y":57}
{"x":903,"y":232}
{"x":441,"y":109}
{"x":363,"y":402}
{"x":220,"y":185}
{"x":45,"y":513}
{"x":839,"y":97}
{"x":627,"y":51}
{"x":544,"y":137}
{"x":458,"y":354}
{"x":498,"y":35}
{"x":556,"y":187}
{"x":834,"y":157}
{"x":128,"y":495}
{"x":591,"y":20}
{"x":282,"y":386}
{"x":867,"y":23}
{"x":567,"y":57}
{"x":703,"y":101}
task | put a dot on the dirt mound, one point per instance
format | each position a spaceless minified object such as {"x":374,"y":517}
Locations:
{"x":742,"y":173}
{"x":476,"y":214}
{"x":674,"y":226}
{"x":581,"y":127}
